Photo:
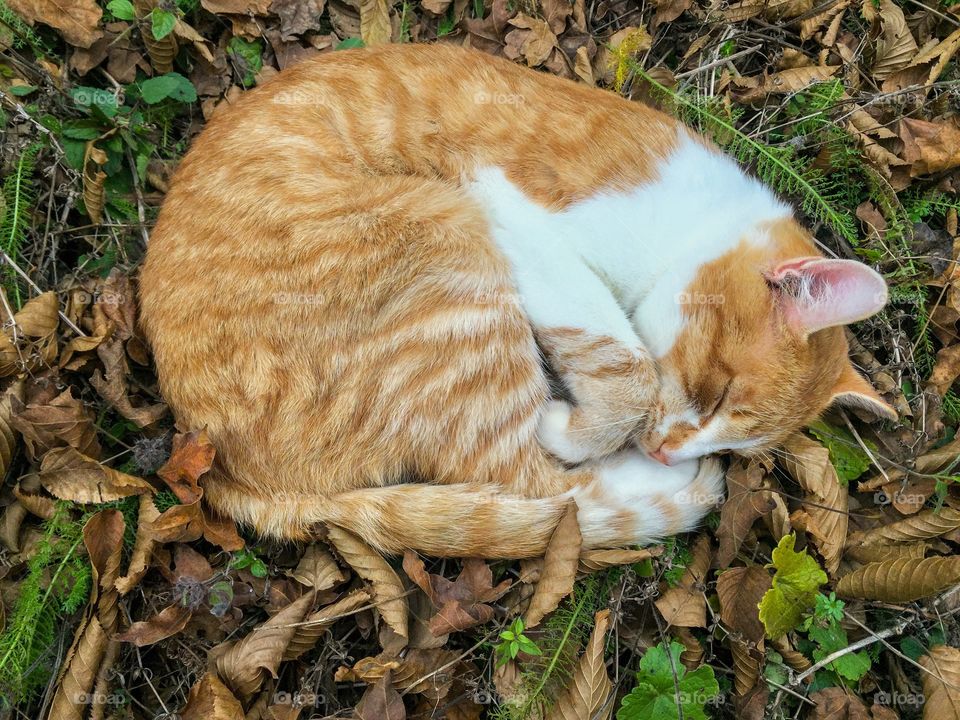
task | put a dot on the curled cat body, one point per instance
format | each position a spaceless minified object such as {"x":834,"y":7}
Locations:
{"x":365,"y":266}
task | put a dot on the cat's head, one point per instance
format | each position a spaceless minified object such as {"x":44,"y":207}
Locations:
{"x":759,"y":349}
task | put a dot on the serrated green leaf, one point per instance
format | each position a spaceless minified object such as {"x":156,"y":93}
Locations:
{"x":121,"y":9}
{"x":797,"y":579}
{"x":162,"y":22}
{"x":846,"y":455}
{"x":665,"y":689}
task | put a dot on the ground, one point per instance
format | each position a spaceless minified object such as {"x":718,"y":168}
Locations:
{"x":825,"y":587}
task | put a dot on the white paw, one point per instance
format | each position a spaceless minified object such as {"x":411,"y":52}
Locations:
{"x":554,"y":433}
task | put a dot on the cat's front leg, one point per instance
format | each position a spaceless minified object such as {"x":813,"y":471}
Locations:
{"x":614,"y":387}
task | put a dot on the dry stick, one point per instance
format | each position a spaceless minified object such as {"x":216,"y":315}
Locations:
{"x":7,"y":259}
{"x":716,"y":63}
{"x":863,"y":445}
{"x":874,"y":637}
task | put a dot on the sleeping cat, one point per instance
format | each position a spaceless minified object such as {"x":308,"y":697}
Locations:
{"x":359,"y":264}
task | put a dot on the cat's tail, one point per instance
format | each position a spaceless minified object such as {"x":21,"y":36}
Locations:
{"x":437,"y":520}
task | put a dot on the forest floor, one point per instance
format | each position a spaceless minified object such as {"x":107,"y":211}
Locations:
{"x":827,"y":586}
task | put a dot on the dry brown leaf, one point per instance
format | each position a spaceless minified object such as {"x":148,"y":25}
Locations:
{"x":80,"y":671}
{"x":112,"y":385}
{"x":70,"y":475}
{"x":930,"y":147}
{"x":836,"y":703}
{"x":746,"y":501}
{"x":317,"y":569}
{"x":809,"y":26}
{"x":381,"y":702}
{"x":792,"y":80}
{"x":902,"y":580}
{"x":922,"y":526}
{"x":8,"y":435}
{"x":740,"y":590}
{"x":388,"y":591}
{"x":533,"y":40}
{"x":244,"y":664}
{"x":375,"y":26}
{"x":427,"y":672}
{"x":895,"y":47}
{"x":559,"y":568}
{"x":186,"y":523}
{"x":191,"y":456}
{"x":39,"y":318}
{"x":588,"y":690}
{"x":167,"y":623}
{"x":685,"y":605}
{"x":925,"y":67}
{"x":77,"y":20}
{"x":103,"y":539}
{"x":237,"y":7}
{"x":142,"y":547}
{"x":592,"y":561}
{"x":941,"y":683}
{"x":826,"y":501}
{"x":946,"y":370}
{"x":94,"y":159}
{"x":460,"y":604}
{"x":210,"y":699}
{"x":297,"y":16}
{"x":313,"y":627}
{"x":748,"y":662}
{"x":47,"y":423}
{"x":877,"y":552}
{"x":669,"y":10}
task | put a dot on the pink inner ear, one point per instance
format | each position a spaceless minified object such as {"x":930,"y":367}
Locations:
{"x":817,"y":293}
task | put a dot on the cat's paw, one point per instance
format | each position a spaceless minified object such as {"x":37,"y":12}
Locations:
{"x":556,"y":436}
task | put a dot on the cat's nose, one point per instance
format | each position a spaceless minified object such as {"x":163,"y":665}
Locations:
{"x":660,"y":455}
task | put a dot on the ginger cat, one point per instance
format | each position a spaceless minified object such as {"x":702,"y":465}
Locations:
{"x":359,"y":264}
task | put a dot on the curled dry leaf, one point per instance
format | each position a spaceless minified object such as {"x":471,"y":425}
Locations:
{"x":946,"y":369}
{"x":312,"y":628}
{"x":746,"y":501}
{"x":210,"y":699}
{"x":826,"y":501}
{"x":424,"y":672}
{"x":244,"y":664}
{"x":902,"y":580}
{"x":70,"y":475}
{"x":941,"y":683}
{"x":38,"y":318}
{"x":748,"y":663}
{"x":560,"y":563}
{"x":686,"y":605}
{"x":191,"y":456}
{"x":80,"y":672}
{"x":740,"y":591}
{"x":922,"y":526}
{"x":592,"y":561}
{"x":167,"y":623}
{"x":186,"y":523}
{"x":142,"y":547}
{"x":586,"y":694}
{"x":8,"y":436}
{"x":381,"y":702}
{"x":836,"y":703}
{"x":112,"y":385}
{"x":317,"y":569}
{"x":388,"y":591}
{"x":930,"y":147}
{"x":460,"y":604}
{"x":46,"y":423}
{"x":93,"y":179}
{"x":895,"y":47}
{"x":925,"y":67}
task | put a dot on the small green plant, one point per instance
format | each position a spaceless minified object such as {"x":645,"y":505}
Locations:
{"x":247,"y":57}
{"x":826,"y":636}
{"x":246,"y":559}
{"x":16,"y":200}
{"x":513,"y":642}
{"x":666,"y":691}
{"x":847,"y":457}
{"x":57,"y":583}
{"x":796,"y":581}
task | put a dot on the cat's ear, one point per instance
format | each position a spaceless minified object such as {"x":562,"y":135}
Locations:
{"x":853,"y":390}
{"x":817,"y":293}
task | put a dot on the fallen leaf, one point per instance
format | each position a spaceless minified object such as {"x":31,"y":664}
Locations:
{"x":388,"y":591}
{"x":317,"y":569}
{"x":245,"y":664}
{"x":930,"y":147}
{"x":314,"y":626}
{"x":925,"y":67}
{"x":297,"y":16}
{"x":592,"y":561}
{"x":237,"y":7}
{"x":588,"y":690}
{"x":191,"y":456}
{"x":381,"y":702}
{"x":746,"y":501}
{"x":901,"y":580}
{"x":534,"y":40}
{"x":375,"y":26}
{"x":941,"y":683}
{"x":210,"y":699}
{"x":740,"y":590}
{"x":79,"y":672}
{"x":167,"y":623}
{"x":77,"y":20}
{"x":460,"y":604}
{"x":142,"y":547}
{"x":922,"y":526}
{"x":560,"y":563}
{"x":70,"y":475}
{"x":895,"y":47}
{"x":48,"y":423}
{"x":685,"y":604}
{"x":826,"y":501}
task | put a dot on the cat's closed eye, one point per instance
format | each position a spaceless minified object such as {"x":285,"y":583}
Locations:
{"x":716,"y":400}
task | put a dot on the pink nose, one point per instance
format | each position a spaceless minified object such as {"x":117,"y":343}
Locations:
{"x":660,"y":456}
